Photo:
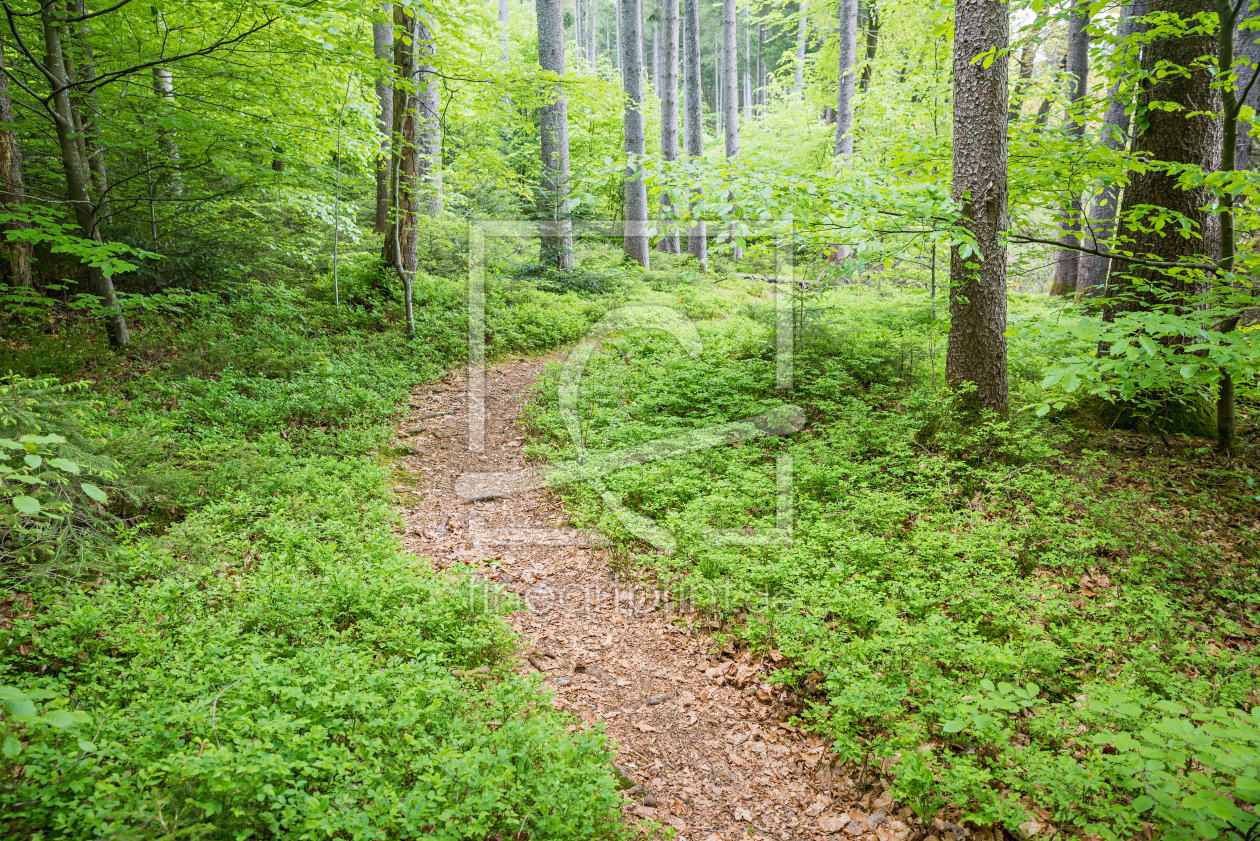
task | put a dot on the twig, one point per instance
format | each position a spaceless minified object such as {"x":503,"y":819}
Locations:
{"x":214,"y":708}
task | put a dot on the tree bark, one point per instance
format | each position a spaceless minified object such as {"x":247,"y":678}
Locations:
{"x":1065,"y":270}
{"x":669,"y":110}
{"x":75,"y":167}
{"x":748,"y":64}
{"x":90,"y":107}
{"x":848,"y":76}
{"x":164,"y":87}
{"x":590,"y":33}
{"x":383,"y":48}
{"x":1171,"y":136}
{"x":1247,"y":45}
{"x":761,"y":69}
{"x":429,"y":131}
{"x":870,"y":26}
{"x":635,"y":240}
{"x":802,"y":35}
{"x":12,"y":187}
{"x":402,"y":241}
{"x":977,"y":296}
{"x":556,"y":228}
{"x":730,"y":79}
{"x":697,"y":241}
{"x":1091,"y":272}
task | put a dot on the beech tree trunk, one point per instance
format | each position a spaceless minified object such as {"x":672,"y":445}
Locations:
{"x":590,"y":33}
{"x":1247,"y":45}
{"x":401,"y":240}
{"x":164,"y":87}
{"x":12,"y":187}
{"x":730,"y":79}
{"x":870,"y":26}
{"x":761,"y":69}
{"x":977,"y":294}
{"x":697,"y":241}
{"x":383,"y":48}
{"x":429,"y":133}
{"x":555,"y":228}
{"x":802,"y":35}
{"x":1027,"y":61}
{"x":1065,"y":269}
{"x":635,"y":240}
{"x":1171,"y":136}
{"x":1091,"y":270}
{"x":89,"y":103}
{"x":75,"y":167}
{"x":669,"y":110}
{"x":848,"y":76}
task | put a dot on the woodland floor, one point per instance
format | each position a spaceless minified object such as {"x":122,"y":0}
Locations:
{"x":696,"y":729}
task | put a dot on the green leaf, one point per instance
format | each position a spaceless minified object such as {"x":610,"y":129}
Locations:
{"x":15,"y":701}
{"x":27,"y":505}
{"x":986,"y":685}
{"x":1142,"y":803}
{"x":12,"y":747}
{"x":65,"y":464}
{"x":953,"y":726}
{"x":64,"y":719}
{"x":32,"y":461}
{"x":1129,"y":709}
{"x":86,"y":746}
{"x":94,"y":492}
{"x":1148,"y":346}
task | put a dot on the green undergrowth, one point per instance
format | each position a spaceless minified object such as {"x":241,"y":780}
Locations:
{"x":1018,"y":620}
{"x":246,"y":651}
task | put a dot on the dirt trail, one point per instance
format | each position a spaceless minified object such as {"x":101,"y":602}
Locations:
{"x":697,"y":730}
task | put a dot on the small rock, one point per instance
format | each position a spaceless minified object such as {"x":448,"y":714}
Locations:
{"x":659,"y":698}
{"x":649,"y":800}
{"x":562,"y":681}
{"x":855,"y":828}
{"x":876,"y":819}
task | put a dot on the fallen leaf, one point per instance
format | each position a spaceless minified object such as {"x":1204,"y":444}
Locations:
{"x":645,"y":728}
{"x":833,"y":823}
{"x":743,"y":815}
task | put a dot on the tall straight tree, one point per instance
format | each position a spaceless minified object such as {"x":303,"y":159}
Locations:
{"x":759,"y":96}
{"x":1065,"y":270}
{"x":12,"y":186}
{"x":401,"y":239}
{"x":1091,"y":270}
{"x":697,"y":241}
{"x":1187,"y":134}
{"x":669,"y":108}
{"x":592,"y":17}
{"x":802,"y":40}
{"x":1247,"y":45}
{"x":870,"y":28}
{"x":553,"y":128}
{"x":503,"y":30}
{"x":730,"y":79}
{"x":429,"y":130}
{"x":383,"y":49}
{"x":1027,"y":62}
{"x":848,"y":76}
{"x":977,"y":292}
{"x":75,"y":166}
{"x":635,"y":239}
{"x":748,"y":63}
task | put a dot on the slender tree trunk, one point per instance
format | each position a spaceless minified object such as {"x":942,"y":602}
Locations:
{"x":802,"y":39}
{"x":635,"y":240}
{"x":578,"y":38}
{"x":556,"y":228}
{"x":1247,"y":45}
{"x":669,"y":110}
{"x":402,"y":241}
{"x":590,"y":33}
{"x":870,"y":26}
{"x":1027,"y":61}
{"x":1091,"y":272}
{"x":617,"y":59}
{"x":1172,"y":136}
{"x":1065,"y":270}
{"x":164,"y":87}
{"x":429,"y":133}
{"x":1227,"y":39}
{"x":697,"y":241}
{"x":977,"y":295}
{"x":91,"y":108}
{"x":761,"y":69}
{"x":76,"y":171}
{"x":383,"y":48}
{"x":730,"y":94}
{"x":656,"y":57}
{"x":748,"y":64}
{"x":12,"y":187}
{"x":848,"y":76}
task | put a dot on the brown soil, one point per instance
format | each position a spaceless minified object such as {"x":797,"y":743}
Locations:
{"x":697,"y":730}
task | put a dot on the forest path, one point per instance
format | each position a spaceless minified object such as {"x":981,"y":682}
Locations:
{"x":697,"y":729}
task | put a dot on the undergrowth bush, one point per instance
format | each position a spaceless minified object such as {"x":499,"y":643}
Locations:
{"x":253,"y":654}
{"x":990,"y":623}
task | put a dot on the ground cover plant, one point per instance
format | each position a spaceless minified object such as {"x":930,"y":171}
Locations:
{"x":1016,"y":616}
{"x":242,"y":649}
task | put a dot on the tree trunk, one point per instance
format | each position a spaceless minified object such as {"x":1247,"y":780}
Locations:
{"x":1170,"y":136}
{"x":697,"y":241}
{"x":1247,"y":45}
{"x":635,"y":240}
{"x":848,"y":76}
{"x":556,"y":229}
{"x":12,"y":187}
{"x":1027,"y":61}
{"x":977,"y":295}
{"x":617,"y":62}
{"x":401,"y":241}
{"x":1091,"y":272}
{"x":802,"y":35}
{"x":1065,"y":270}
{"x":429,"y":131}
{"x":383,"y":48}
{"x":669,"y":110}
{"x":90,"y":107}
{"x":730,"y":79}
{"x":590,"y":33}
{"x":577,"y":28}
{"x":75,"y":167}
{"x":870,"y":25}
{"x":761,"y":69}
{"x":748,"y":64}
{"x":164,"y":87}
